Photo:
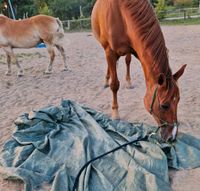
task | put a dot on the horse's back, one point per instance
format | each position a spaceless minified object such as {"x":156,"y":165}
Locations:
{"x":2,"y":19}
{"x":108,"y":25}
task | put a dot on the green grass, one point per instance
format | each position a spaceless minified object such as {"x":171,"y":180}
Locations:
{"x":194,"y":21}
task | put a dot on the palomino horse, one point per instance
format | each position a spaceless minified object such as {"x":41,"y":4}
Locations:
{"x":28,"y":33}
{"x":131,"y":26}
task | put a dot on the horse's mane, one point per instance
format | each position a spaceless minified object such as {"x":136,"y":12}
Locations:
{"x":146,"y":24}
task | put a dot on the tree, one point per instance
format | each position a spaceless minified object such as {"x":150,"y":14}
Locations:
{"x":65,"y":9}
{"x":24,"y":7}
{"x":69,"y":9}
{"x":87,"y":7}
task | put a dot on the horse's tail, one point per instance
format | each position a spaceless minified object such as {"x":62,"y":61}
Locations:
{"x":60,"y":26}
{"x":59,"y":34}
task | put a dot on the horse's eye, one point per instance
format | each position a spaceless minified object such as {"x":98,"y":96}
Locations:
{"x":165,"y":106}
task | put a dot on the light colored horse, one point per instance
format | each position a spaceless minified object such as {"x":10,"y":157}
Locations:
{"x":28,"y":33}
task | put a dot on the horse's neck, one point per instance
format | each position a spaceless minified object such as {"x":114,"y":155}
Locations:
{"x":153,"y":65}
{"x":152,"y":70}
{"x":146,"y":38}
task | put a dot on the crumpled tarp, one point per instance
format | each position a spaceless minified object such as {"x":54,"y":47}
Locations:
{"x":51,"y":145}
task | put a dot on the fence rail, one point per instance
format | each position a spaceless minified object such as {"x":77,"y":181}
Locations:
{"x":184,"y":13}
{"x":79,"y":24}
{"x":83,"y":24}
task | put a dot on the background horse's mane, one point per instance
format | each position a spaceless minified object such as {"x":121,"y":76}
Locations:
{"x":147,"y":25}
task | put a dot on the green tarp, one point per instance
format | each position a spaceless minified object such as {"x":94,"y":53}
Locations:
{"x":51,"y":145}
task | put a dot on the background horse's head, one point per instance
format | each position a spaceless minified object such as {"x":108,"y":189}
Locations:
{"x":162,"y":102}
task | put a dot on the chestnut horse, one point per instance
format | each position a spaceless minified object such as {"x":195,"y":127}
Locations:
{"x":131,"y":26}
{"x":28,"y":33}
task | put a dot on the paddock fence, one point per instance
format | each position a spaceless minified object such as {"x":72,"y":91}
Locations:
{"x":185,"y":13}
{"x":174,"y":14}
{"x":77,"y":25}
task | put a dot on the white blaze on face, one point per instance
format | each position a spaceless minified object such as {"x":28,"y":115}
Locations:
{"x":174,"y":131}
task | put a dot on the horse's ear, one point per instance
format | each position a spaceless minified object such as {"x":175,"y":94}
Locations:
{"x":179,"y":73}
{"x":161,"y":79}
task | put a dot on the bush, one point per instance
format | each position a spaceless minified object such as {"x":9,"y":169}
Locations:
{"x":183,"y":3}
{"x":45,"y":10}
{"x":160,"y":9}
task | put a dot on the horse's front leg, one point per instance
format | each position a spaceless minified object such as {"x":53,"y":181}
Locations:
{"x":128,"y":76}
{"x":20,"y":69}
{"x":112,"y":58}
{"x":52,"y":56}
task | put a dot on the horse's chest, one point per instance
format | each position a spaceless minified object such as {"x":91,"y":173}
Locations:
{"x":121,"y":47}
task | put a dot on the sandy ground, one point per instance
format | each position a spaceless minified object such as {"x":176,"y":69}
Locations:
{"x":84,"y":84}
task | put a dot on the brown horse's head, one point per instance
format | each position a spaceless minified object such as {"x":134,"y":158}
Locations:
{"x":162,"y":103}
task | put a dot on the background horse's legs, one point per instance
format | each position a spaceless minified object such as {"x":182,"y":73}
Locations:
{"x":128,"y":76}
{"x":8,"y":73}
{"x":62,"y":52}
{"x":112,"y":58}
{"x":10,"y":54}
{"x":51,"y":52}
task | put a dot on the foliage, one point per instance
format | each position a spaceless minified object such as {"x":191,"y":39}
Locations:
{"x":71,"y":8}
{"x":45,"y":10}
{"x":183,"y":3}
{"x":169,"y":2}
{"x":28,"y":8}
{"x":160,"y":9}
{"x":195,"y":3}
{"x":65,"y":10}
{"x":42,"y":7}
{"x":87,"y":7}
{"x":74,"y":9}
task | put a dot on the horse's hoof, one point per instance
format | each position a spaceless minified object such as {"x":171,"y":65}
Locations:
{"x":116,"y":117}
{"x":20,"y":74}
{"x":8,"y":73}
{"x":48,"y":72}
{"x":65,"y":69}
{"x":129,"y":86}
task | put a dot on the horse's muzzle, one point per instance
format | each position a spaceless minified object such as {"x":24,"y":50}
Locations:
{"x":169,"y":133}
